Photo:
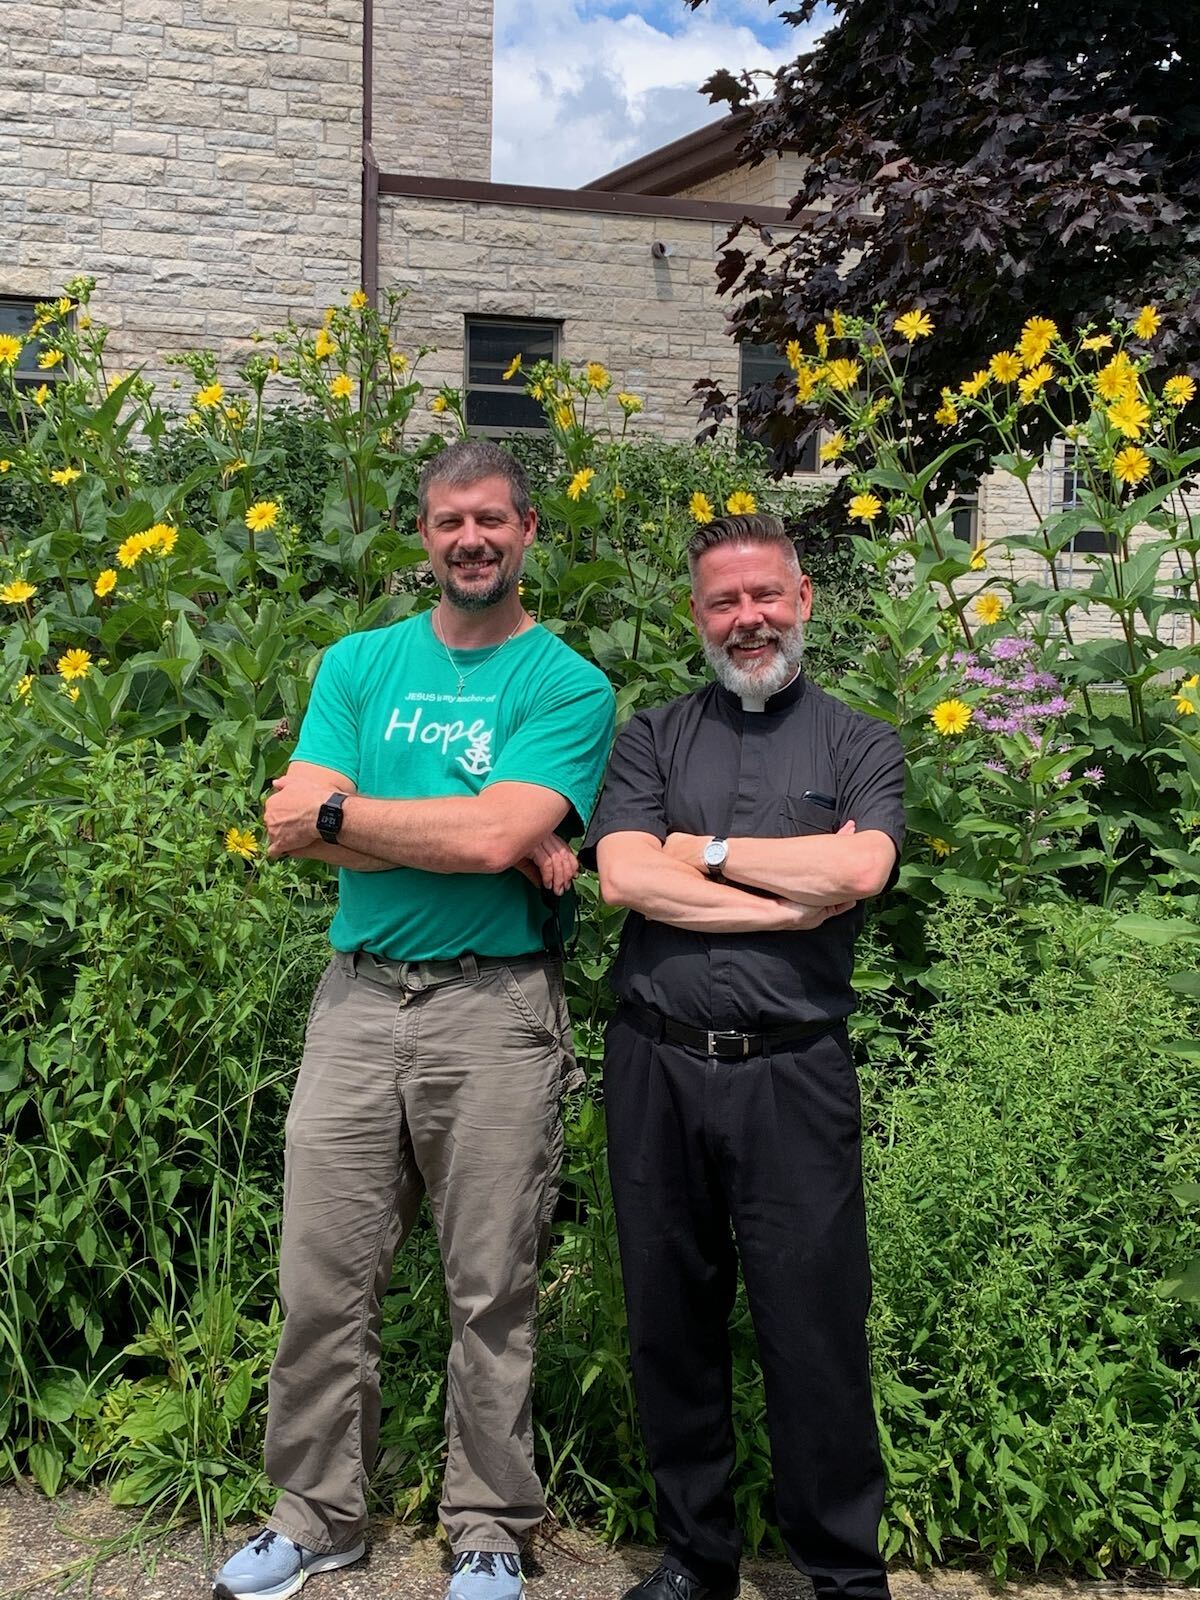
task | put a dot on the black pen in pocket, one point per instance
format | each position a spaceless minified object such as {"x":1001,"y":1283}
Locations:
{"x":819,"y":799}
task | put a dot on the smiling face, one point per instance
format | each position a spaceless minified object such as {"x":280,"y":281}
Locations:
{"x":750,"y":602}
{"x":476,"y":541}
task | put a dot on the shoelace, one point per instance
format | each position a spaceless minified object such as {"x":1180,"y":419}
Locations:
{"x":264,"y":1541}
{"x":485,"y":1561}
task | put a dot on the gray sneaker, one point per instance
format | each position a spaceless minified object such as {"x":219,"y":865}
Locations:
{"x":271,"y":1567}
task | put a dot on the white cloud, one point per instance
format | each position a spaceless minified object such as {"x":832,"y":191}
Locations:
{"x":578,"y":92}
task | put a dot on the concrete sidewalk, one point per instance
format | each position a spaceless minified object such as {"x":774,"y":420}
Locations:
{"x":43,"y":1544}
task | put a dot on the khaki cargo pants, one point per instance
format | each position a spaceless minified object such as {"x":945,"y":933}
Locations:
{"x":438,"y":1078}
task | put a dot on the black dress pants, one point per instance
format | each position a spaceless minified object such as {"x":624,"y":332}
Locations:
{"x":758,"y":1159}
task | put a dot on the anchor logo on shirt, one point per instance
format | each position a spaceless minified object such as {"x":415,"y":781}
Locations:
{"x":477,"y":758}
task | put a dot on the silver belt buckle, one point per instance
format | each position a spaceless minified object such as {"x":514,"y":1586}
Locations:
{"x":727,"y":1034}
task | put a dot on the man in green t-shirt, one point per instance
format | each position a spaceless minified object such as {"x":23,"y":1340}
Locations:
{"x":439,"y":760}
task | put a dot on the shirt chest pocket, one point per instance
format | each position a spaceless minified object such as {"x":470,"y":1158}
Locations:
{"x":798,"y":816}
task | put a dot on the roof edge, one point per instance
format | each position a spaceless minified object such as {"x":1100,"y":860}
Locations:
{"x":692,"y":159}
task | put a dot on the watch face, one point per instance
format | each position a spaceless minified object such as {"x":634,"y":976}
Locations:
{"x":715,"y":853}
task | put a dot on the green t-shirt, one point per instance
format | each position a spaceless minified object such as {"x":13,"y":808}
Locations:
{"x":384,"y":712}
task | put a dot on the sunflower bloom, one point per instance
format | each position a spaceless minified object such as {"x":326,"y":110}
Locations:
{"x":262,"y":514}
{"x":131,"y":551}
{"x":807,"y":379}
{"x":989,"y":608}
{"x":74,"y":664}
{"x":1005,"y":366}
{"x":64,"y":476}
{"x":945,"y":413}
{"x":977,"y":382}
{"x":842,"y":374}
{"x":1131,"y":465}
{"x":17,"y":592}
{"x":325,"y":346}
{"x":939,"y":846}
{"x":1096,"y":341}
{"x":979,"y":556}
{"x":821,"y":337}
{"x":630,"y":404}
{"x":160,"y":538}
{"x":1117,"y":380}
{"x":564,"y":414}
{"x":1030,"y":386}
{"x":10,"y":350}
{"x":1036,"y":338}
{"x":598,"y":376}
{"x":793,"y":355}
{"x":41,"y":394}
{"x":950,"y":717}
{"x":342,"y":386}
{"x":240,"y":843}
{"x":24,"y":686}
{"x":913,"y":325}
{"x":701,"y":508}
{"x":741,"y":503}
{"x":838,"y":323}
{"x":1178,"y":391}
{"x":1129,"y":417}
{"x":579,"y":483}
{"x":208,"y":398}
{"x":358,"y":301}
{"x":105,"y":583}
{"x":51,"y":358}
{"x":1147,"y":322}
{"x":513,"y":367}
{"x":398,"y":361}
{"x":865,"y":507}
{"x":1185,"y":707}
{"x":833,"y":447}
{"x":438,"y":404}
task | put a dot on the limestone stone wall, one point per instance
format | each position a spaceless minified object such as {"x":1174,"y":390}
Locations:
{"x":657,"y":324}
{"x":432,"y":111}
{"x":772,"y":183}
{"x":200,"y":158}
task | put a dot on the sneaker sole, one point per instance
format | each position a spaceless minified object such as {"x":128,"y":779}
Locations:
{"x":281,"y":1591}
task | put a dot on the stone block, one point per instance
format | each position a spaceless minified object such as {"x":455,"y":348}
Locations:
{"x":117,"y":68}
{"x":139,"y":142}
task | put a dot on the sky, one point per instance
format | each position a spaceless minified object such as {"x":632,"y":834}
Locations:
{"x":583,"y":86}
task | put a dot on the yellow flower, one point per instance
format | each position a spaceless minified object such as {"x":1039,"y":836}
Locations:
{"x":1185,"y":707}
{"x":630,"y":404}
{"x":330,"y":313}
{"x":701,"y":508}
{"x":865,"y":508}
{"x":842,"y":374}
{"x":945,"y":413}
{"x":64,"y":476}
{"x":262,"y":514}
{"x":741,"y":503}
{"x":227,"y":472}
{"x":74,"y":664}
{"x":807,"y":379}
{"x":1146,"y":323}
{"x":72,"y":695}
{"x":989,"y":608}
{"x":10,"y":350}
{"x":24,"y":685}
{"x":1131,"y":465}
{"x":1129,"y":417}
{"x":979,"y":380}
{"x":41,"y":394}
{"x":618,"y":493}
{"x":65,"y":305}
{"x":49,"y":358}
{"x":939,"y":846}
{"x":578,"y":484}
{"x":397,"y":360}
{"x":342,"y":386}
{"x":833,"y":447}
{"x":1005,"y":366}
{"x":5,"y":464}
{"x":598,"y":376}
{"x":914,"y":325}
{"x":564,"y":415}
{"x":160,"y":538}
{"x":1036,"y":338}
{"x":129,"y":553}
{"x":794,"y":358}
{"x":17,"y":592}
{"x":438,"y":404}
{"x":105,"y":583}
{"x":1117,"y":379}
{"x":979,"y":556}
{"x":358,"y":301}
{"x":240,"y":843}
{"x":1097,"y":341}
{"x":839,"y":325}
{"x":950,"y":717}
{"x":1034,"y":381}
{"x":208,"y":398}
{"x":1178,"y":391}
{"x":821,"y":336}
{"x":325,"y":346}
{"x":1191,"y":683}
{"x":513,"y":367}
{"x":536,"y":392}
{"x":85,"y":321}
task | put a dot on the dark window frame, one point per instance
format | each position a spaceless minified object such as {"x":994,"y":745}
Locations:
{"x":28,"y":377}
{"x":471,"y":320}
{"x":1085,"y":541}
{"x":761,"y":356}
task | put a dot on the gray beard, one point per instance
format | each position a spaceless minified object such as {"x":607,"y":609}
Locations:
{"x":763,"y":684}
{"x":480,"y":599}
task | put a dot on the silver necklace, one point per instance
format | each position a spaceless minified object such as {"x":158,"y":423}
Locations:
{"x":456,"y":669}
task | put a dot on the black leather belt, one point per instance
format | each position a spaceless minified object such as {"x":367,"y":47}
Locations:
{"x":723,"y":1044}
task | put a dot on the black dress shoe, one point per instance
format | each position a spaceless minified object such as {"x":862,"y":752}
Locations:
{"x":667,"y":1585}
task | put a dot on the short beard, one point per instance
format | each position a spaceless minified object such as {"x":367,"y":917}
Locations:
{"x":759,"y":685}
{"x":480,"y":599}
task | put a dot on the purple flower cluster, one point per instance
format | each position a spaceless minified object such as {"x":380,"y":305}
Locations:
{"x":1018,"y":698}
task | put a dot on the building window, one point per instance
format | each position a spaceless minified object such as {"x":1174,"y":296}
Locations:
{"x":964,"y":518}
{"x":762,"y":363}
{"x":17,"y":316}
{"x":1092,"y":540}
{"x":493,"y":406}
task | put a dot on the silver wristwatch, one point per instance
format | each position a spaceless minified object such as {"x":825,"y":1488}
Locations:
{"x":715,"y":854}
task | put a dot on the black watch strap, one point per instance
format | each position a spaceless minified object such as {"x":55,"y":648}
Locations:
{"x":329,"y":818}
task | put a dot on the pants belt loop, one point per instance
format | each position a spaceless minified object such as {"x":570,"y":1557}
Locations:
{"x":470,"y":967}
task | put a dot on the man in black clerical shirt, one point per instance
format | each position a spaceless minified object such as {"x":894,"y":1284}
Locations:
{"x":743,"y":825}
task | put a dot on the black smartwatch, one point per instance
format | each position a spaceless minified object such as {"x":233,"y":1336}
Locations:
{"x":329,"y":818}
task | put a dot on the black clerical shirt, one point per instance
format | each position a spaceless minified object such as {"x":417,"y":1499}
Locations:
{"x":705,"y":765}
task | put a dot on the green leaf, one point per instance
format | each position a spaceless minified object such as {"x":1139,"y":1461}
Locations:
{"x":1156,"y":930}
{"x":46,"y":1464}
{"x":238,"y":1390}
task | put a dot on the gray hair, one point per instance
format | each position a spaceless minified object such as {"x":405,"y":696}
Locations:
{"x":756,"y":529}
{"x":466,"y":461}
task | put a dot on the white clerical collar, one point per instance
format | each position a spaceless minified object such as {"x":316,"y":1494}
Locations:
{"x":758,"y":703}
